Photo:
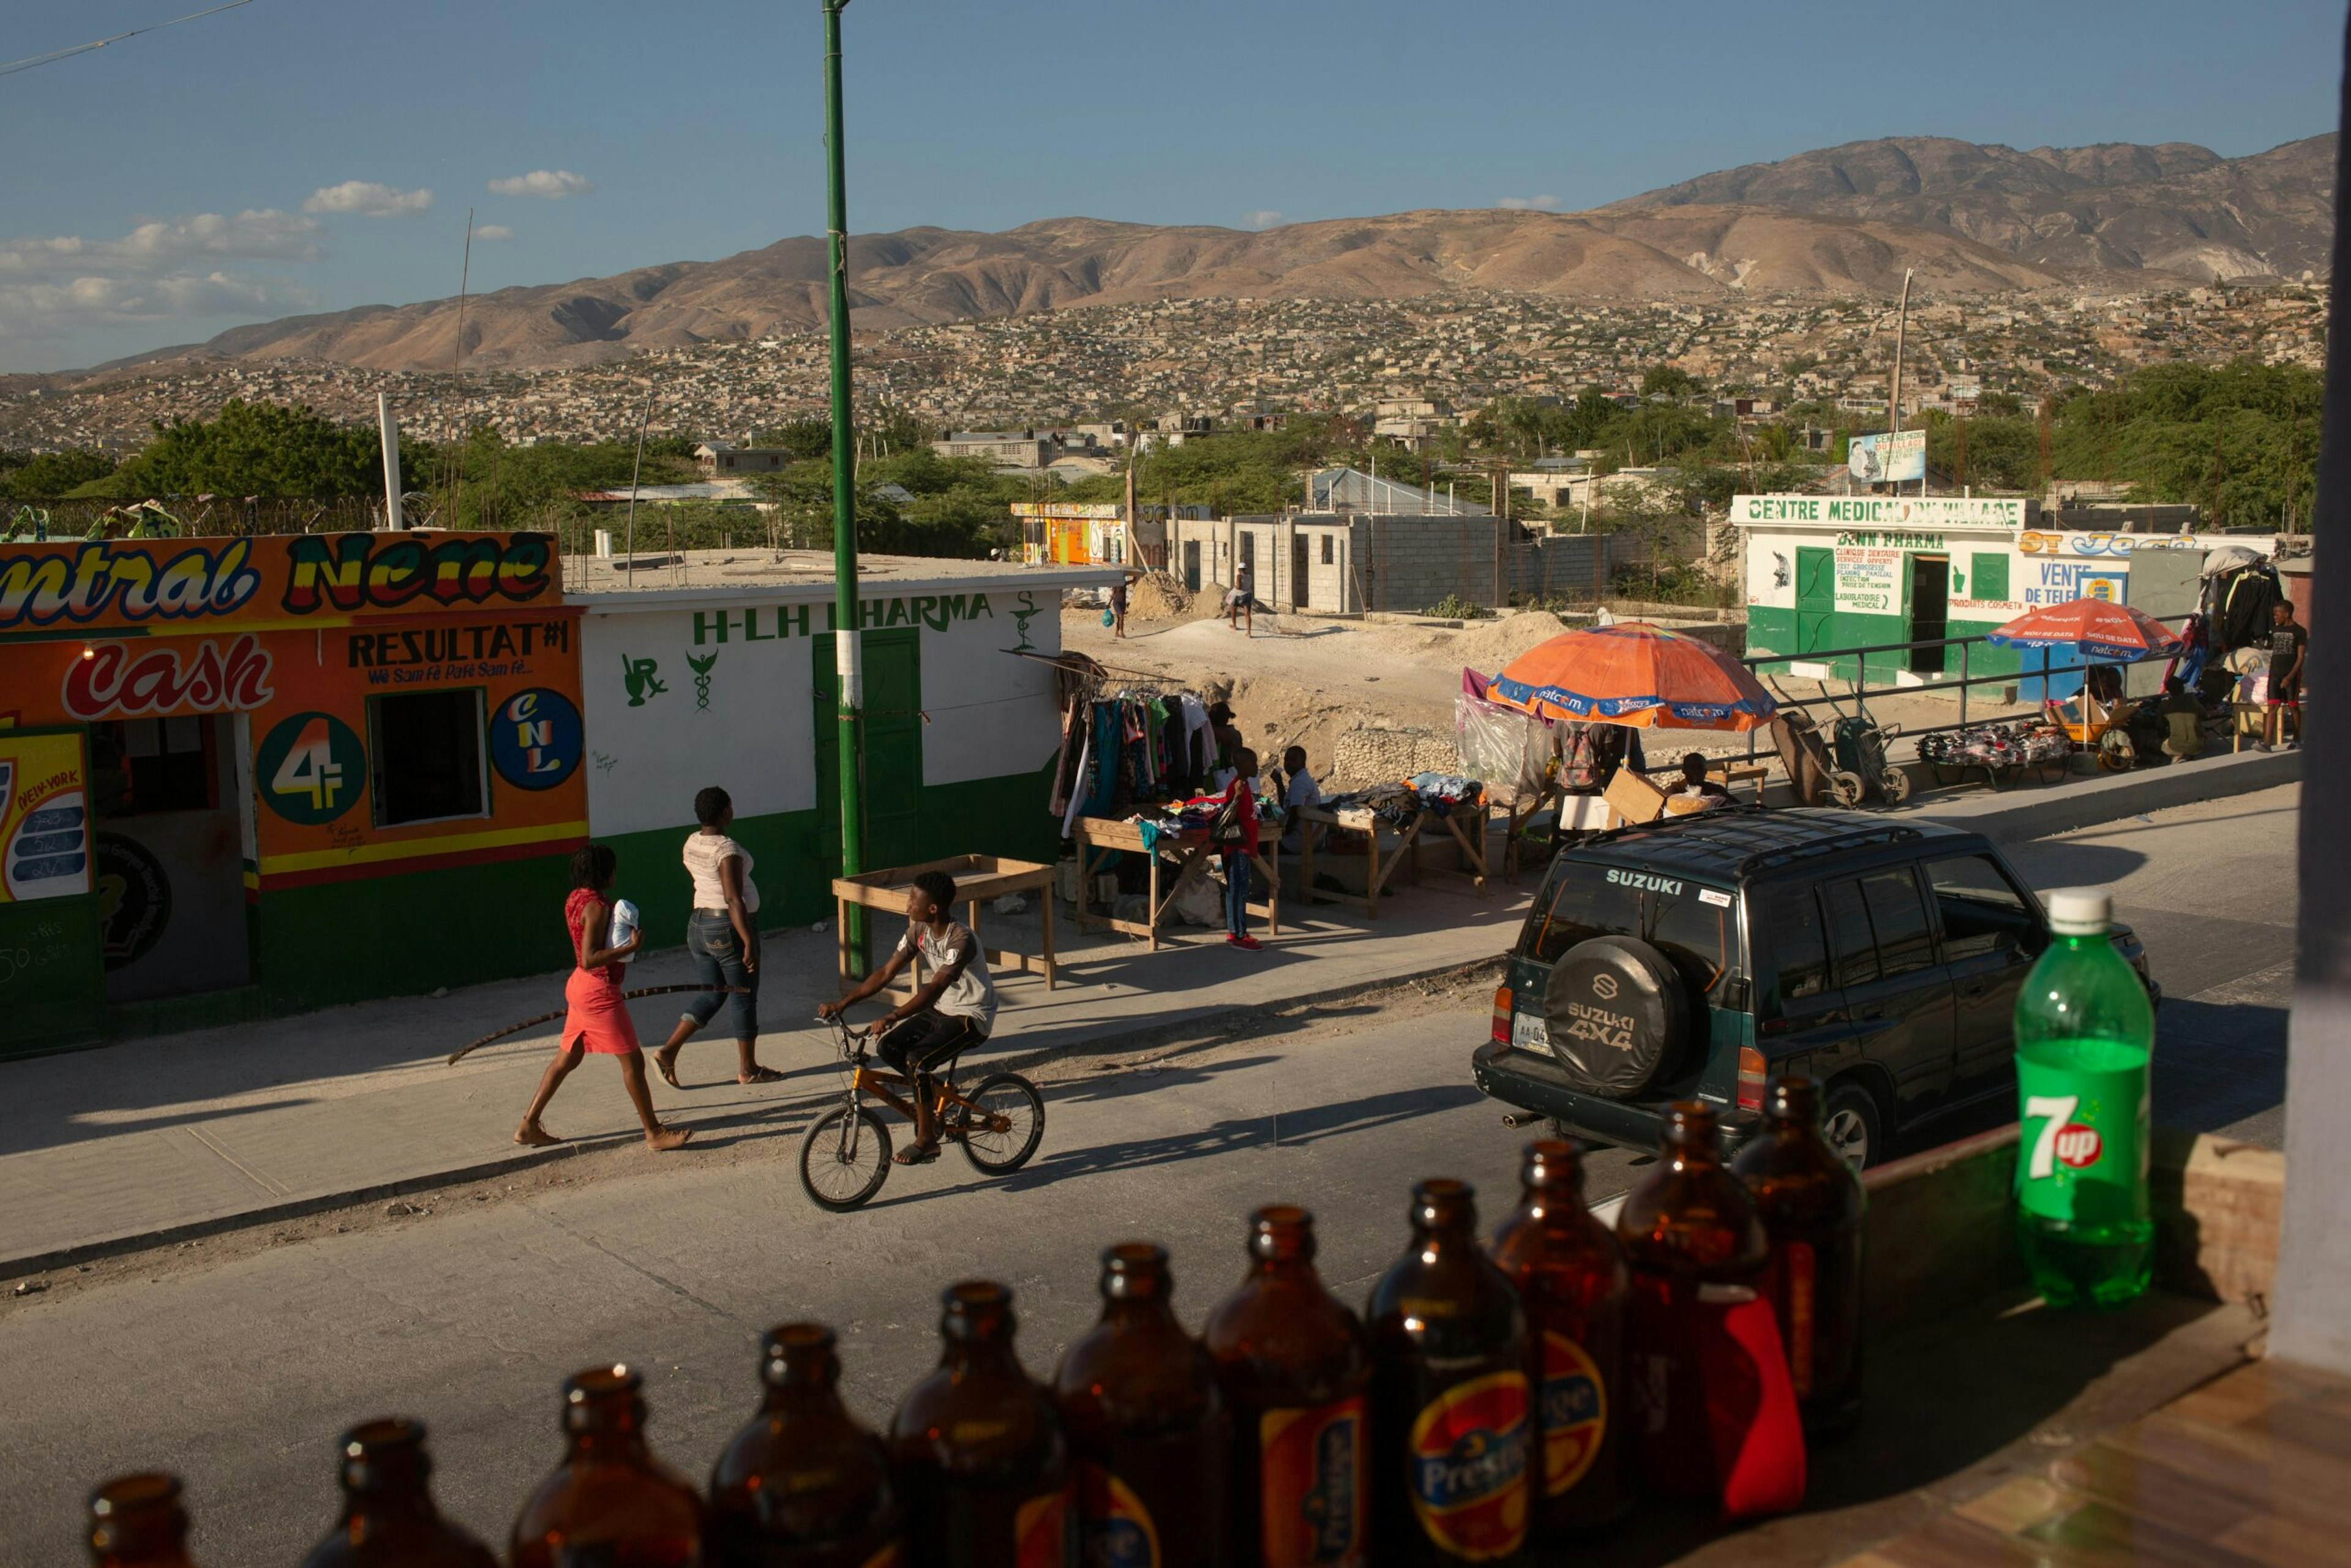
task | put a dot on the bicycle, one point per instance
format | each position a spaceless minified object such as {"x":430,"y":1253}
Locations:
{"x":845,"y":1154}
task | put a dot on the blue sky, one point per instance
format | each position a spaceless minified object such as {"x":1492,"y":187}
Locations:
{"x":317,"y":155}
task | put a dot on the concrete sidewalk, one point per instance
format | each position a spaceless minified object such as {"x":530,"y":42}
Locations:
{"x":166,"y":1139}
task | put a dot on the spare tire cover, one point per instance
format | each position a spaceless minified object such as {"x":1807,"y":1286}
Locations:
{"x":1618,"y":1014}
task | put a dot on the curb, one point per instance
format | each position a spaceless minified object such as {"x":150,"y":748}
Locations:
{"x":2011,"y":817}
{"x":1117,"y":1039}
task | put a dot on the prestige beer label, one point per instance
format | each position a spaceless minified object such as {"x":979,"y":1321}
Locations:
{"x":1575,"y":1412}
{"x":1310,"y":1480}
{"x":1040,"y":1530}
{"x":1799,"y":1277}
{"x":1114,"y":1530}
{"x":1469,"y":1459}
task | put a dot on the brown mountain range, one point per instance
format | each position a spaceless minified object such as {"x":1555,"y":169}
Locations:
{"x":1967,"y":219}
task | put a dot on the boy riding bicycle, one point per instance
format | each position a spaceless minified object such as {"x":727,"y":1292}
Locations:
{"x":954,"y":1011}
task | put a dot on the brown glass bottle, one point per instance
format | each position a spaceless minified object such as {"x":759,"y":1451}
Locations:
{"x":1573,"y":1282}
{"x":137,"y":1521}
{"x":1694,"y":1245}
{"x":1812,"y":1207}
{"x":389,"y":1520}
{"x":804,"y":1484}
{"x":1147,"y":1429}
{"x":1452,"y":1427}
{"x":1295,"y":1368}
{"x":609,"y":1502}
{"x":983,"y":1466}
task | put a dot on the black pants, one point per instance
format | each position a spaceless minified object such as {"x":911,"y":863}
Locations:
{"x":927,"y":1041}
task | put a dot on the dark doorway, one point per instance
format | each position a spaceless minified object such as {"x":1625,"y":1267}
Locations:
{"x":167,"y":854}
{"x":1192,"y":566}
{"x":1299,"y":556}
{"x":1930,"y":610}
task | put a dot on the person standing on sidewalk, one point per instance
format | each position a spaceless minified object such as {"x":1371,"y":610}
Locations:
{"x":723,"y":941}
{"x":2288,"y":644}
{"x":1234,"y":834}
{"x":599,"y":1019}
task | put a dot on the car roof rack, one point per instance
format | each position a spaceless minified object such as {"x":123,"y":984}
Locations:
{"x":1732,"y":834}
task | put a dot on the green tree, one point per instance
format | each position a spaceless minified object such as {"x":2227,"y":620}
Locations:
{"x":258,"y":449}
{"x":1670,"y":381}
{"x":52,"y":475}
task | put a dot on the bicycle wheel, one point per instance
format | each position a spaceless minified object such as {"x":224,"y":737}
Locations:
{"x":844,"y":1158}
{"x":1012,"y":1100}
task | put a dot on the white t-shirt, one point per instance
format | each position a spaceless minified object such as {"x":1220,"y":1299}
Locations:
{"x":705,"y":853}
{"x":1302,"y":791}
{"x":972,"y":994}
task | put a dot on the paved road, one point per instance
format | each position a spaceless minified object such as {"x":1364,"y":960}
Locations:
{"x":237,"y":1365}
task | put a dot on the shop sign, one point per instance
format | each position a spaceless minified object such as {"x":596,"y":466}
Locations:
{"x":2034,"y":543}
{"x":2063,"y":581}
{"x":1946,"y":512}
{"x":170,"y":583}
{"x":44,"y":818}
{"x":1868,"y":580}
{"x":122,"y":680}
{"x":767,"y":622}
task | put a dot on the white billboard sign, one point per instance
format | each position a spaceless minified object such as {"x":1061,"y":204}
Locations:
{"x":1888,"y":459}
{"x":1894,"y":512}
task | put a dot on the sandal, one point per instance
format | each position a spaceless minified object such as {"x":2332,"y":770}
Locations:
{"x":762,"y":1075}
{"x":666,"y":1065}
{"x":916,"y":1155}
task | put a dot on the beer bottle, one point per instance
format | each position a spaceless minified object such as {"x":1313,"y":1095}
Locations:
{"x":1146,"y":1426}
{"x":136,"y":1521}
{"x":1811,"y":1206}
{"x":804,"y":1484}
{"x":609,"y":1501}
{"x":389,"y":1520}
{"x":1450,"y":1423}
{"x":1571,"y":1282}
{"x":1695,"y":1246}
{"x":982,"y":1463}
{"x":1293,"y":1364}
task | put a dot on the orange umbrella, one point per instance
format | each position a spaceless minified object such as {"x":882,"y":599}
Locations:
{"x":2105,"y":630}
{"x":1639,"y":675}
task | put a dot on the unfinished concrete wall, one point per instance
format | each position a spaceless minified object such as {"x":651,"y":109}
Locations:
{"x":1362,"y":756}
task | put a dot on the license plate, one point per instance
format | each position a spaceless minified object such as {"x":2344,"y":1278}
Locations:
{"x":1528,"y":1033}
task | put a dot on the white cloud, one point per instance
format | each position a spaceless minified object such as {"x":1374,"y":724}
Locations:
{"x":493,"y":231}
{"x":552,"y":184}
{"x":96,"y":301}
{"x":1528,"y":204}
{"x":368,"y":199}
{"x":1263,"y":218}
{"x":160,"y":247}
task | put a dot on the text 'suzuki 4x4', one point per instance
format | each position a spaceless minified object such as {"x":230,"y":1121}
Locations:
{"x":1695,"y":957}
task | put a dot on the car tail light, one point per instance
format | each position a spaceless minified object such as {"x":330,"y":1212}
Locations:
{"x":1751,"y":1078}
{"x":1502,"y":1015}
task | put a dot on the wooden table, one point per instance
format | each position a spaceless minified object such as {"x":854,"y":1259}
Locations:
{"x":1099,"y":838}
{"x":1402,"y":848}
{"x":976,"y":878}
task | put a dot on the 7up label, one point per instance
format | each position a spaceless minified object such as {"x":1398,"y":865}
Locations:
{"x":2083,"y":1151}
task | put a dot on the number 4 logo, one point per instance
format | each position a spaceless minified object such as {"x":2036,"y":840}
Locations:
{"x":310,"y":768}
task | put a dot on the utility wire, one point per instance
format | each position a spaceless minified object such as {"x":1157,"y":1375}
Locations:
{"x":13,"y":67}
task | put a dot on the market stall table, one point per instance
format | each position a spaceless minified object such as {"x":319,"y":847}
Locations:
{"x":1187,"y":851}
{"x":1402,"y":848}
{"x":976,"y":877}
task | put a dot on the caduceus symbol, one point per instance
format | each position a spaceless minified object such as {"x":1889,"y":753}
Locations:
{"x":701,"y":668}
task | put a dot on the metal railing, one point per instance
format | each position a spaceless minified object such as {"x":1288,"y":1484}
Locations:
{"x":1859,"y":690}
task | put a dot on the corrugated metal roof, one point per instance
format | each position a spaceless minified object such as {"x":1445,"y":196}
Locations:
{"x":1333,"y":488}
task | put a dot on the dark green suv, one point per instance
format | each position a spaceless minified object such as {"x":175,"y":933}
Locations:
{"x":1696,"y":957}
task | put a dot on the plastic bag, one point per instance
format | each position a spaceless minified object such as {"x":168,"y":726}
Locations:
{"x":1505,"y":749}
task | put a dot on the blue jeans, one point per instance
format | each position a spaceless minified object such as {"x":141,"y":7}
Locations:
{"x":1239,"y":875}
{"x":717,"y":955}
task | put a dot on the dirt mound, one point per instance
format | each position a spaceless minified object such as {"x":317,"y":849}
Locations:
{"x":1486,"y":647}
{"x":1157,"y":596}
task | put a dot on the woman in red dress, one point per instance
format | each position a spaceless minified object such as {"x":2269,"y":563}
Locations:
{"x":599,"y":1020}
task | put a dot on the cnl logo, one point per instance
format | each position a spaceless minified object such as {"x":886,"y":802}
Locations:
{"x":383,"y":572}
{"x":111,"y":681}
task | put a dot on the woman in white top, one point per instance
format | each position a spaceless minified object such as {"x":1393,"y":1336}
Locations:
{"x":723,"y":940}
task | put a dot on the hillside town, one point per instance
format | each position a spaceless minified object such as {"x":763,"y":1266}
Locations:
{"x":1435,"y":358}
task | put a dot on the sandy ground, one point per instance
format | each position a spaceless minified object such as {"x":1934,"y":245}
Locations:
{"x":1297,"y":680}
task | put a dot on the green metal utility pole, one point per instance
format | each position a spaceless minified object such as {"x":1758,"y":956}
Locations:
{"x":847,"y":651}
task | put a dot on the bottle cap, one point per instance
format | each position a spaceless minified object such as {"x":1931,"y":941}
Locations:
{"x":2080,"y":911}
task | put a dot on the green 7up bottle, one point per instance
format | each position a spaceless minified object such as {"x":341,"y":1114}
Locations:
{"x":2085,"y":1031}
